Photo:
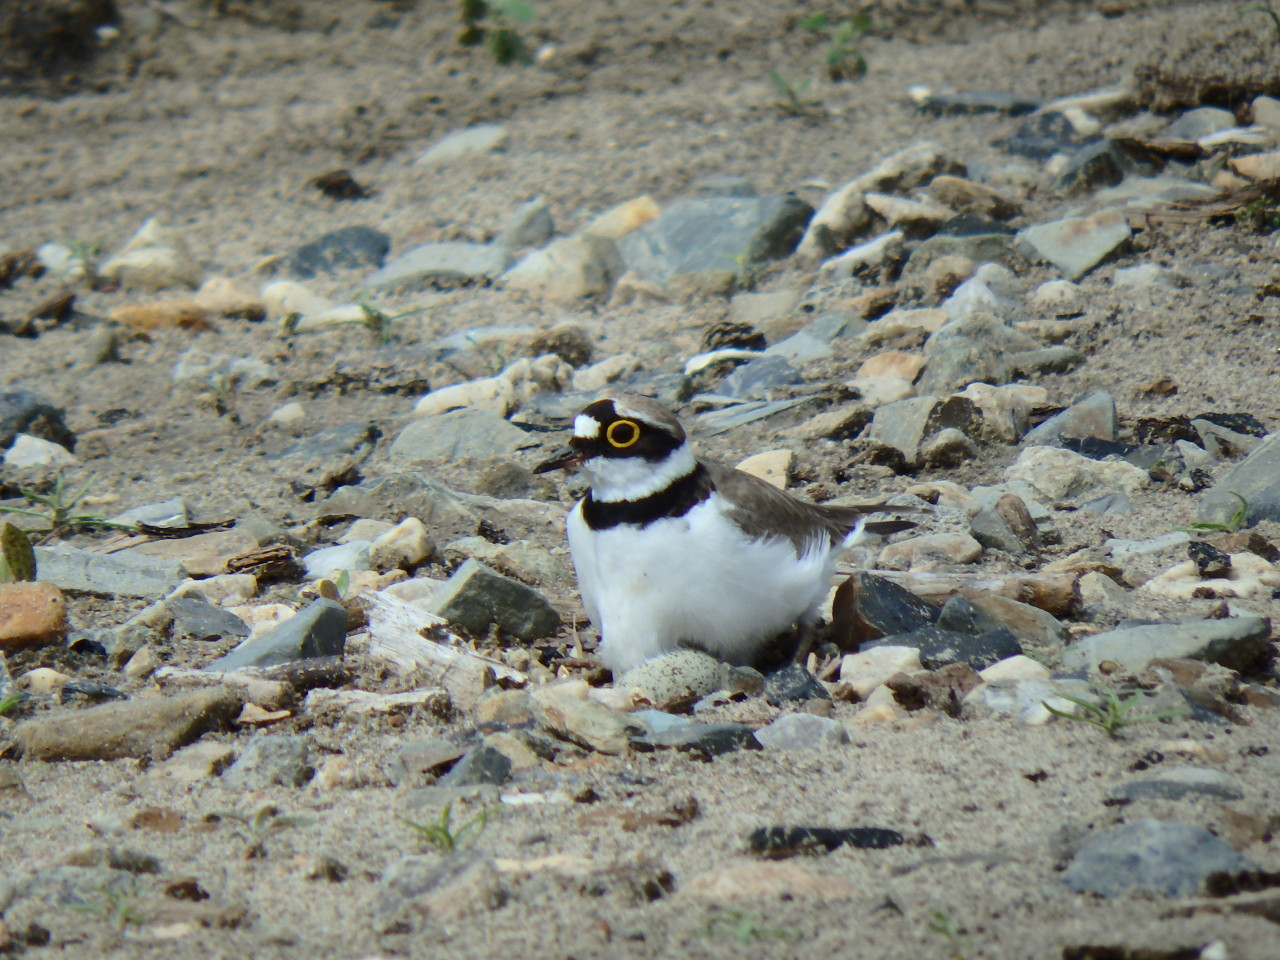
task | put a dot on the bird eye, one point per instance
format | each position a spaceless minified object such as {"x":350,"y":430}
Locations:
{"x":622,"y":433}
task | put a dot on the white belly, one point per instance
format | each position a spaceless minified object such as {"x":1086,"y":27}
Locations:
{"x":694,"y":580}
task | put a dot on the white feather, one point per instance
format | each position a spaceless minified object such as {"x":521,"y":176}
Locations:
{"x":634,"y":478}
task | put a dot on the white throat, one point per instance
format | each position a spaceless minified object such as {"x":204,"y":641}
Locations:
{"x":634,"y":478}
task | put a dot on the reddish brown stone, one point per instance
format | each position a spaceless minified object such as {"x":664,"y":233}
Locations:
{"x":31,"y":614}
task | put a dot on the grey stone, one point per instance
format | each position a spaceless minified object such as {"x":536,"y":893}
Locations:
{"x":442,"y":263}
{"x":530,"y":226}
{"x":113,"y":574}
{"x":342,"y":249}
{"x":1114,"y":503}
{"x":901,"y":425}
{"x":1199,"y":122}
{"x":737,"y":415}
{"x":317,"y":630}
{"x":458,"y":435}
{"x":991,"y":530}
{"x":323,"y":457}
{"x":703,"y":739}
{"x":1041,"y":135}
{"x":1178,"y":783}
{"x":988,"y":292}
{"x":658,"y":721}
{"x":977,"y":348}
{"x":23,"y":411}
{"x":948,"y":447}
{"x":940,"y":647}
{"x":1240,"y":643}
{"x":569,"y":269}
{"x":1256,"y":478}
{"x":464,"y":883}
{"x":404,"y":494}
{"x":1128,"y":548}
{"x":201,"y":620}
{"x":1076,"y":245}
{"x":476,"y":598}
{"x":715,"y":234}
{"x":1168,"y":858}
{"x":145,"y":727}
{"x":1032,"y":626}
{"x":1221,"y":443}
{"x":168,"y":513}
{"x":872,"y":254}
{"x":979,"y":247}
{"x":1102,"y":163}
{"x":1093,"y":416}
{"x":460,"y":144}
{"x":729,"y":185}
{"x":792,"y":684}
{"x":482,"y":764}
{"x":813,"y":340}
{"x":270,"y":761}
{"x":759,"y":378}
{"x":802,"y":731}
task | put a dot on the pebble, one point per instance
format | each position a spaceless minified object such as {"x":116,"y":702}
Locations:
{"x":156,"y":257}
{"x":868,"y":669}
{"x":877,"y":252}
{"x":1239,"y":643}
{"x":143,"y":727}
{"x":569,"y":269}
{"x":566,"y":710}
{"x":705,"y":740}
{"x":967,"y":196}
{"x":27,"y":451}
{"x":1248,"y":575}
{"x":477,"y":598}
{"x":1076,"y":245}
{"x":1150,"y":855}
{"x":449,"y":263}
{"x":936,"y":647}
{"x":459,"y":434}
{"x":1093,"y":416}
{"x":1024,"y":699}
{"x":318,"y":630}
{"x":1060,"y":475}
{"x":464,"y":144}
{"x":32,"y":614}
{"x":802,"y":731}
{"x":530,"y":226}
{"x":190,"y":765}
{"x":788,"y":841}
{"x":343,"y":249}
{"x":426,"y":888}
{"x":1256,"y":478}
{"x":482,"y":764}
{"x":270,"y":761}
{"x":404,"y":547}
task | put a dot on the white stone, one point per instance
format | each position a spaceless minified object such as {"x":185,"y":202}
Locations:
{"x":877,"y":391}
{"x":607,"y":371}
{"x":285,"y":297}
{"x":874,"y":253}
{"x":288,"y":414}
{"x":1062,"y":475}
{"x":29,"y":451}
{"x":1248,"y":576}
{"x":154,"y":258}
{"x":772,"y":466}
{"x":462,"y":144}
{"x":1018,"y":667}
{"x":406,"y":545}
{"x":226,"y":589}
{"x":328,"y":561}
{"x":1098,"y":588}
{"x":493,"y":394}
{"x":1058,"y":297}
{"x":868,"y":669}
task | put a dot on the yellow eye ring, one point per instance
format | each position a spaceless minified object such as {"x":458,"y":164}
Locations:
{"x":621,"y":443}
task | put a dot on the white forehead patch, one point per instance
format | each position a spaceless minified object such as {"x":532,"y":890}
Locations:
{"x":586,"y":427}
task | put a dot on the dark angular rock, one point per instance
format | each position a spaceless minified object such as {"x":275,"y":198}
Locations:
{"x":318,"y":630}
{"x":1256,"y":478}
{"x":780,"y":842}
{"x":977,"y":101}
{"x":476,"y":598}
{"x":1040,"y":136}
{"x":22,"y":411}
{"x":483,"y":764}
{"x":1209,"y":560}
{"x":940,"y":647}
{"x":972,"y":225}
{"x":340,"y":249}
{"x":792,"y":683}
{"x":758,"y":379}
{"x":868,"y":607}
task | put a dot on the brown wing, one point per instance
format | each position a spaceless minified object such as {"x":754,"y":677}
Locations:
{"x":799,"y":521}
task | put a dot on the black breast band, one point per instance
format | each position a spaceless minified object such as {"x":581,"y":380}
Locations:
{"x":673,"y":501}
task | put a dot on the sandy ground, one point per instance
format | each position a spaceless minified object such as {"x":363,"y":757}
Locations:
{"x":217,"y":123}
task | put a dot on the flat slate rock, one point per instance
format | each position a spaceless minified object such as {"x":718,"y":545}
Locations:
{"x":270,"y":761}
{"x":1239,"y":643}
{"x":201,"y":620}
{"x":458,"y":435}
{"x":342,"y":249}
{"x":114,"y":574}
{"x":703,"y":739}
{"x":1256,"y":478}
{"x":1178,"y":783}
{"x":1169,"y":858}
{"x":317,"y":630}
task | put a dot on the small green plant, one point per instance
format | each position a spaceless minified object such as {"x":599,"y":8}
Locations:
{"x":9,"y":702}
{"x":841,"y":58}
{"x":1270,"y":11}
{"x":495,"y":23}
{"x":256,"y":828}
{"x":379,"y":322}
{"x":84,"y":256}
{"x":1114,"y":714}
{"x":60,"y":511}
{"x":17,"y":559}
{"x":791,"y":100}
{"x":1260,"y":215}
{"x":118,"y":903}
{"x":444,"y":836}
{"x":1233,"y":523}
{"x":744,"y":927}
{"x":940,"y":922}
